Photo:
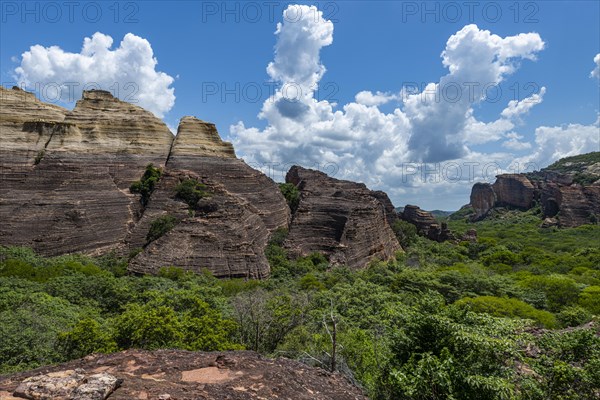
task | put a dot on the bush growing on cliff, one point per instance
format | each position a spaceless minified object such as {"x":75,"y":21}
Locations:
{"x":191,"y":191}
{"x":160,"y":226}
{"x":291,"y":194}
{"x":146,"y":185}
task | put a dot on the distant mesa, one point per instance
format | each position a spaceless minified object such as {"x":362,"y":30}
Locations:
{"x":428,"y":226}
{"x":567,"y":192}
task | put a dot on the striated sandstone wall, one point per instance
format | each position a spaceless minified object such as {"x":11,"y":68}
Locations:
{"x":343,"y":220}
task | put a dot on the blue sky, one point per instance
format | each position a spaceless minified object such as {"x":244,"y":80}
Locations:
{"x":206,"y":47}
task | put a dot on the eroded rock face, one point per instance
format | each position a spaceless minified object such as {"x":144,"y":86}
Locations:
{"x":578,"y":205}
{"x":426,"y":224}
{"x":178,"y":375}
{"x":563,"y":200}
{"x":200,"y":138}
{"x":483,"y":199}
{"x":224,"y":233}
{"x":66,"y":178}
{"x":343,"y":220}
{"x":74,"y":195}
{"x":513,"y":190}
{"x":199,"y":149}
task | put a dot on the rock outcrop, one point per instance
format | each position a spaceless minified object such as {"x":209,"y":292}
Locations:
{"x":426,"y":224}
{"x":223,"y":233}
{"x":74,"y":197}
{"x":343,"y":220}
{"x":66,"y":189}
{"x":483,"y":199}
{"x":66,"y":177}
{"x":69,"y":384}
{"x":198,"y":148}
{"x":568,"y":190}
{"x":513,"y":190}
{"x":180,"y":375}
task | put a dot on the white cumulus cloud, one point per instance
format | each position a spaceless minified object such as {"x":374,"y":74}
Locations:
{"x":596,"y":72}
{"x":430,"y":137}
{"x":128,"y":71}
{"x":516,"y":108}
{"x":555,"y":142}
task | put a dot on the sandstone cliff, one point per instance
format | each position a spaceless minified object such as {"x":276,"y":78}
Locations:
{"x":179,"y":375}
{"x":66,"y":177}
{"x":426,"y":224}
{"x":568,"y":190}
{"x":343,"y":220}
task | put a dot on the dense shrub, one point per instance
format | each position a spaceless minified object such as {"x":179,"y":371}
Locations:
{"x":291,"y":194}
{"x":160,"y":226}
{"x":504,"y":307}
{"x":405,"y":232}
{"x":191,"y":191}
{"x":146,"y":185}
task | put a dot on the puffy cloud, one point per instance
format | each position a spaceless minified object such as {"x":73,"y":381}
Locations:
{"x":516,"y":109}
{"x":300,"y":39}
{"x":129,"y":72}
{"x":422,"y":149}
{"x":476,"y":59}
{"x":369,"y":98}
{"x":553,"y":143}
{"x":514,"y":142}
{"x":596,"y":72}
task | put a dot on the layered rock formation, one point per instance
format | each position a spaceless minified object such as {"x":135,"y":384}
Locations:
{"x":513,"y":190}
{"x":568,"y":190}
{"x":198,"y":148}
{"x":426,"y":224}
{"x":66,"y":178}
{"x":66,"y":188}
{"x":483,"y":199}
{"x":343,"y":220}
{"x":179,"y":375}
{"x":224,"y":233}
{"x":74,"y":197}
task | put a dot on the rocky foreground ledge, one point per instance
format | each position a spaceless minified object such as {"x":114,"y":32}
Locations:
{"x":178,"y":375}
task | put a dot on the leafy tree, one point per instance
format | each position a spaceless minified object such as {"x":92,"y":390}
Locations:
{"x":590,"y":299}
{"x":87,"y":336}
{"x":160,"y":226}
{"x":573,"y":316}
{"x":191,"y":191}
{"x":291,"y":194}
{"x":146,"y":185}
{"x":405,"y":232}
{"x":505,"y":307}
{"x":560,"y":290}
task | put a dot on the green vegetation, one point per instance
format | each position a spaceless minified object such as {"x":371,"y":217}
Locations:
{"x":505,"y":317}
{"x":577,"y":166}
{"x":191,"y":191}
{"x":575,"y":163}
{"x":146,"y":185}
{"x":291,"y":194}
{"x":39,"y":157}
{"x":405,"y":232}
{"x":160,"y":226}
